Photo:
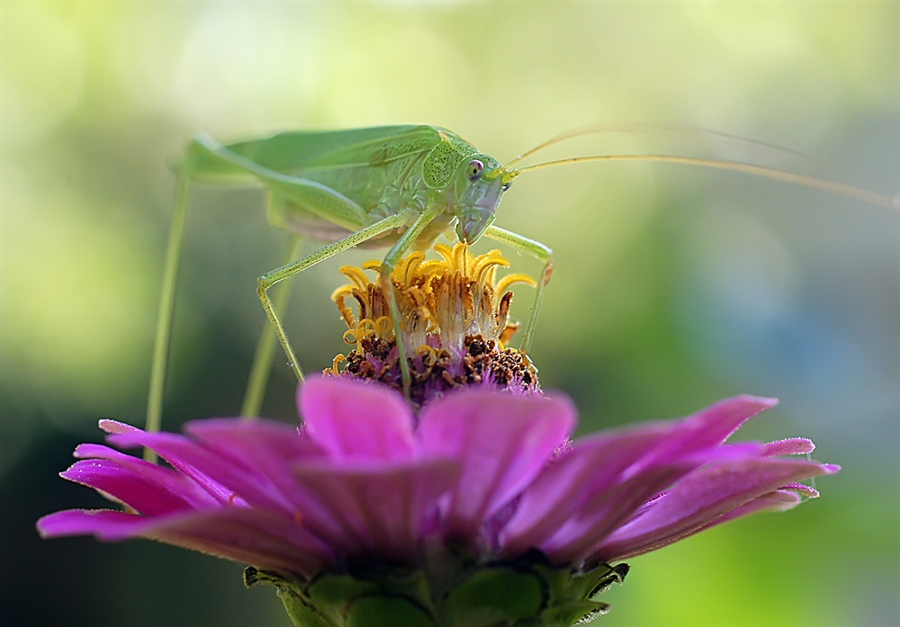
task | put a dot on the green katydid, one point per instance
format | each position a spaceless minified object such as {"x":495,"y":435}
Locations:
{"x":397,"y":186}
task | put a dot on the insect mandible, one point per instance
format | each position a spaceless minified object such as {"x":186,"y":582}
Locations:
{"x":396,"y":186}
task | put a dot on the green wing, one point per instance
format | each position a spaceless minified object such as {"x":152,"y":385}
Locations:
{"x":334,"y":176}
{"x":295,"y":151}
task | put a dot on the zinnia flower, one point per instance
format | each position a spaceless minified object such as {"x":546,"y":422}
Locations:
{"x":479,"y":474}
{"x":476,"y":509}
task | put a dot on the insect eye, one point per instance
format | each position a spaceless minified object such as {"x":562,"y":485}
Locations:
{"x":506,"y":186}
{"x":475,"y":169}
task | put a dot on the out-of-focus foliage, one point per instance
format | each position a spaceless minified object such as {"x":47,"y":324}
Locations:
{"x":673,"y":286}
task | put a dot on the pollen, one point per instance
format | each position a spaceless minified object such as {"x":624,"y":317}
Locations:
{"x":454,"y":319}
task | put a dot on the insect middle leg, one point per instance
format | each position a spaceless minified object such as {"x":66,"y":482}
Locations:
{"x":269,"y":279}
{"x":387,"y":286}
{"x":543,"y":254}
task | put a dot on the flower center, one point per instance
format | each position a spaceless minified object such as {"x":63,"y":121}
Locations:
{"x":454,"y":318}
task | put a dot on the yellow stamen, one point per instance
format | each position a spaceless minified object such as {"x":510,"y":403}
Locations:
{"x":356,"y":275}
{"x":338,"y":359}
{"x":453,"y":297}
{"x":511,"y":279}
{"x":384,"y":326}
{"x":446,"y":252}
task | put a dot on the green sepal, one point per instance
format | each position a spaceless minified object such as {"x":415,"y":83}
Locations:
{"x":495,"y":596}
{"x":388,"y":611}
{"x":301,"y":612}
{"x":573,"y":612}
{"x":447,"y":590}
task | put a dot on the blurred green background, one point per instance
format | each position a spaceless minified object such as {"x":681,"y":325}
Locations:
{"x":673,"y":287}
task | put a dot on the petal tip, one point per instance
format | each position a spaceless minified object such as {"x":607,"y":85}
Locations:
{"x":114,"y":426}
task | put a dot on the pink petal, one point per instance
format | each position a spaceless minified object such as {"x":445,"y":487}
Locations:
{"x":702,"y":497}
{"x":598,"y":518}
{"x":591,"y":466}
{"x":125,"y":486}
{"x":351,"y":420}
{"x":265,"y":539}
{"x":163,"y":484}
{"x":502,"y":443}
{"x":707,"y":428}
{"x":265,"y":451}
{"x":776,"y":501}
{"x":569,"y":488}
{"x":225,"y":477}
{"x":103,"y":523}
{"x":377,"y":512}
{"x":791,"y":446}
{"x":260,"y":440}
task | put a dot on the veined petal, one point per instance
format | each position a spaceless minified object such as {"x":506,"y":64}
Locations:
{"x":265,"y":451}
{"x":706,"y":428}
{"x":257,"y":441}
{"x":350,"y":420}
{"x":223,"y":476}
{"x":171,"y":485}
{"x":570,"y":491}
{"x":791,"y":446}
{"x":377,"y":512}
{"x":591,"y":466}
{"x":126,"y":486}
{"x":700,"y":498}
{"x":104,"y":524}
{"x":260,"y":537}
{"x":502,"y":442}
{"x":598,"y":518}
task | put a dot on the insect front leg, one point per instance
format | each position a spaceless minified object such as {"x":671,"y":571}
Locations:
{"x":387,"y":286}
{"x":269,"y":279}
{"x":545,"y":255}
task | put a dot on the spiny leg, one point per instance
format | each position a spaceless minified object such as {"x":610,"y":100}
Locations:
{"x":543,"y":254}
{"x":387,"y":286}
{"x":271,"y":278}
{"x":265,"y":348}
{"x":167,"y":307}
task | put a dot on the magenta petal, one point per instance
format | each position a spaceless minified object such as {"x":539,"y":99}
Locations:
{"x":264,"y":451}
{"x":776,"y":501}
{"x":591,"y":466}
{"x":259,"y":440}
{"x":258,"y":537}
{"x":568,"y":489}
{"x":502,"y":443}
{"x":163,"y":484}
{"x":105,"y":524}
{"x":709,"y":427}
{"x":791,"y":446}
{"x":377,"y":512}
{"x":125,"y":486}
{"x":598,"y":518}
{"x":700,"y":498}
{"x":227,"y":478}
{"x":263,"y":538}
{"x":356,"y":421}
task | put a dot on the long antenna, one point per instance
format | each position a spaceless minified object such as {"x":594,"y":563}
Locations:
{"x":849,"y":191}
{"x":597,"y":129}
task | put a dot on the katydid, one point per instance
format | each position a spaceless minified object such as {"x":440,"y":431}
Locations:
{"x":394,"y":186}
